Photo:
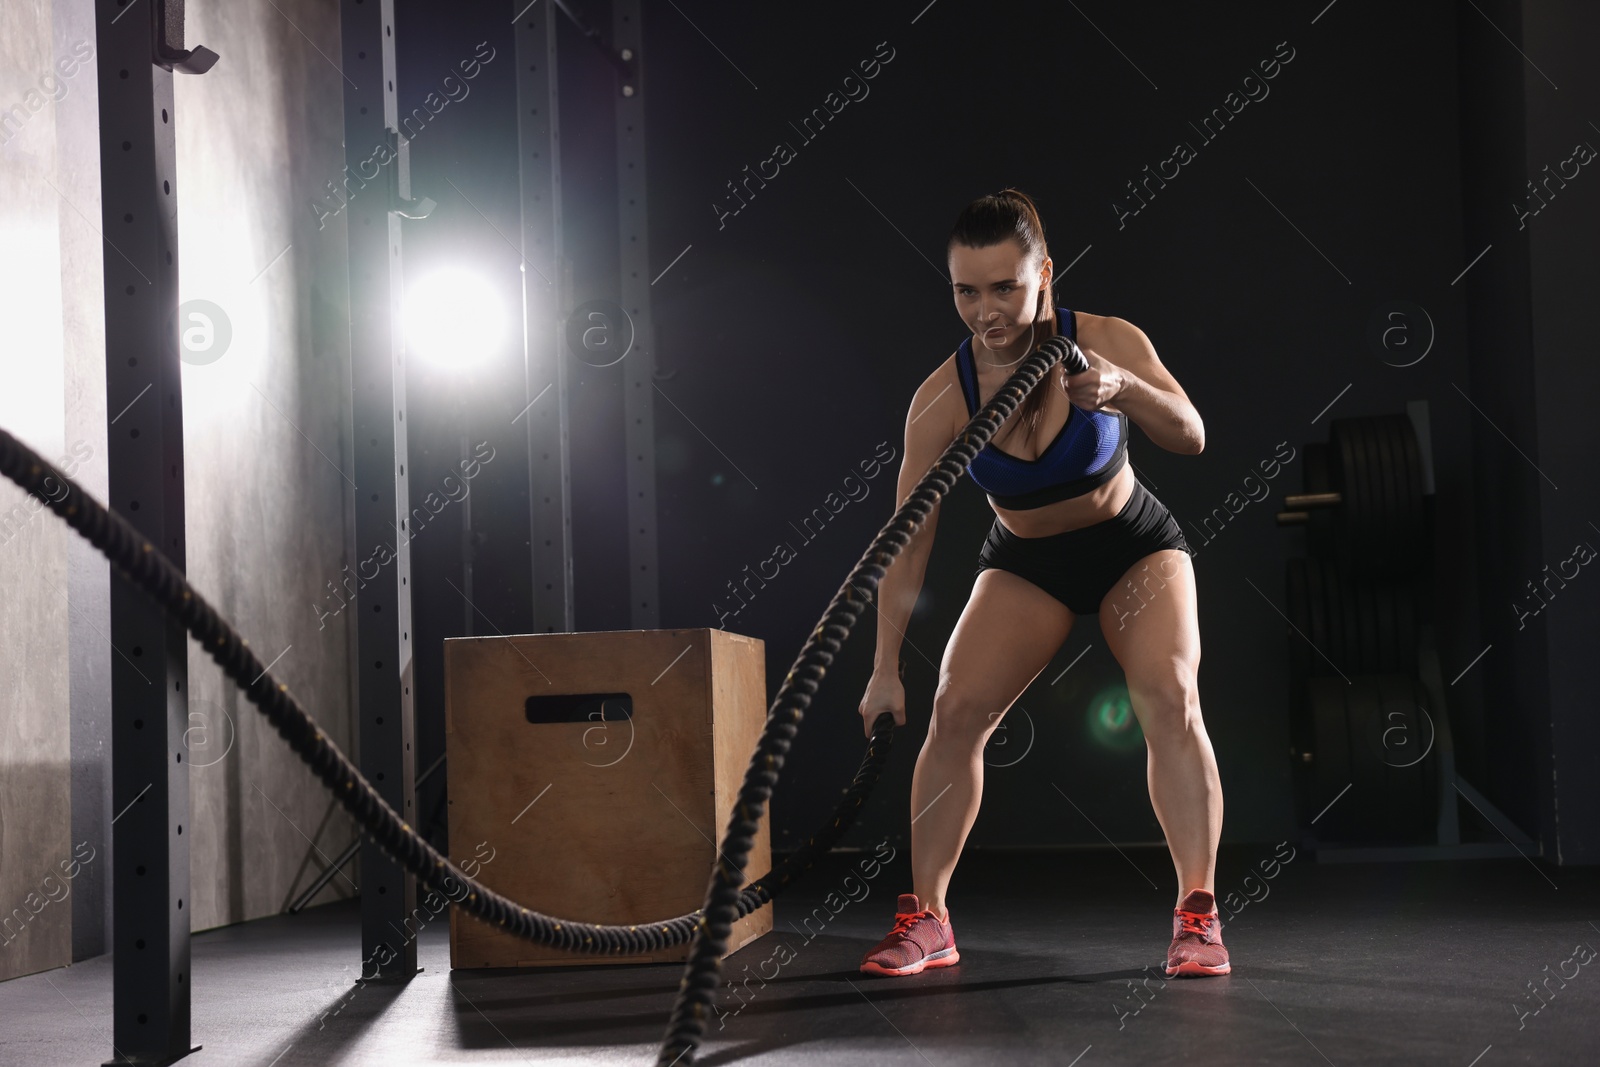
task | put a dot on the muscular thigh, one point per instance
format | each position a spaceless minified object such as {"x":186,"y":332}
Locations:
{"x":1008,"y":633}
{"x":1149,"y":621}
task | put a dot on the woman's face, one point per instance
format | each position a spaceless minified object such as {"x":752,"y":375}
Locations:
{"x":996,"y":291}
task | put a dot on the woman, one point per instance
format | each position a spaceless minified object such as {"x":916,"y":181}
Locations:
{"x":1074,"y":532}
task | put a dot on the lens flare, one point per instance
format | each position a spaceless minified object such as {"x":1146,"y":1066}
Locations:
{"x":454,"y":318}
{"x":1111,"y":721}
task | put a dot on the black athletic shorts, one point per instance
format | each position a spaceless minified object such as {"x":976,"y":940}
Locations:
{"x":1079,"y":567}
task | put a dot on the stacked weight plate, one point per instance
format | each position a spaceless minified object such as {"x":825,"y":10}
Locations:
{"x":1375,"y":466}
{"x":1355,"y":607}
{"x":1374,"y":769}
{"x":1359,"y":625}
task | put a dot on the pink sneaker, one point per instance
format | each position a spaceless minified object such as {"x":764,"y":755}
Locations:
{"x":1197,"y":947}
{"x":918,"y":941}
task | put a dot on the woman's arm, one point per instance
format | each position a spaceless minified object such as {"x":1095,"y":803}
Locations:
{"x":1125,"y":369}
{"x":928,"y":434}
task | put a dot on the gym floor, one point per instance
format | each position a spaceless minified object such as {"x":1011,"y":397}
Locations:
{"x":1333,"y":963}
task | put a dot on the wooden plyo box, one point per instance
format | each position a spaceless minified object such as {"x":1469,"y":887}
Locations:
{"x":591,"y":774}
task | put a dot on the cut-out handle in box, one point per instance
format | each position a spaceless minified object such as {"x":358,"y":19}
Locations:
{"x":579,"y":707}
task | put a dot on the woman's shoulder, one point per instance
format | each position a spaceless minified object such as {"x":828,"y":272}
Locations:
{"x":1102,"y":332}
{"x":1089,"y":326}
{"x":944,"y":378}
{"x":941,"y":390}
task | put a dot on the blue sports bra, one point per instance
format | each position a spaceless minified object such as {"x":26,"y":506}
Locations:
{"x":1088,"y":452}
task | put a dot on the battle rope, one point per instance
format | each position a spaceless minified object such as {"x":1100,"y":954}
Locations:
{"x":149,"y":570}
{"x":155,"y":574}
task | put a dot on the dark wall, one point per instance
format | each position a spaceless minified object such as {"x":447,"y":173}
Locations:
{"x":1533,"y":365}
{"x":802,"y":315}
{"x":813,"y":313}
{"x":1566,"y":276}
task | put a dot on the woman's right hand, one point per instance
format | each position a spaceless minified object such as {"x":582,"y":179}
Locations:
{"x":885,"y":692}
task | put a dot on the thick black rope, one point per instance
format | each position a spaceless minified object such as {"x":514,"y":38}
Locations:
{"x":149,"y":570}
{"x":152,"y":572}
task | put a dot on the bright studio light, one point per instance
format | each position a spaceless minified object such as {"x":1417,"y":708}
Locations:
{"x":453,"y":318}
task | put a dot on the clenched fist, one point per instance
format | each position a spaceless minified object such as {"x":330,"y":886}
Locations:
{"x":1095,"y":387}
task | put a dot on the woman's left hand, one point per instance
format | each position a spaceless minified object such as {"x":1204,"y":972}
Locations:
{"x":1095,"y":387}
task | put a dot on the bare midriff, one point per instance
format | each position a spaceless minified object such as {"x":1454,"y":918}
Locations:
{"x":1097,"y":505}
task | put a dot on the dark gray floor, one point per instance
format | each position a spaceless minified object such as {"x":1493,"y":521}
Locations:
{"x":1334,"y":964}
